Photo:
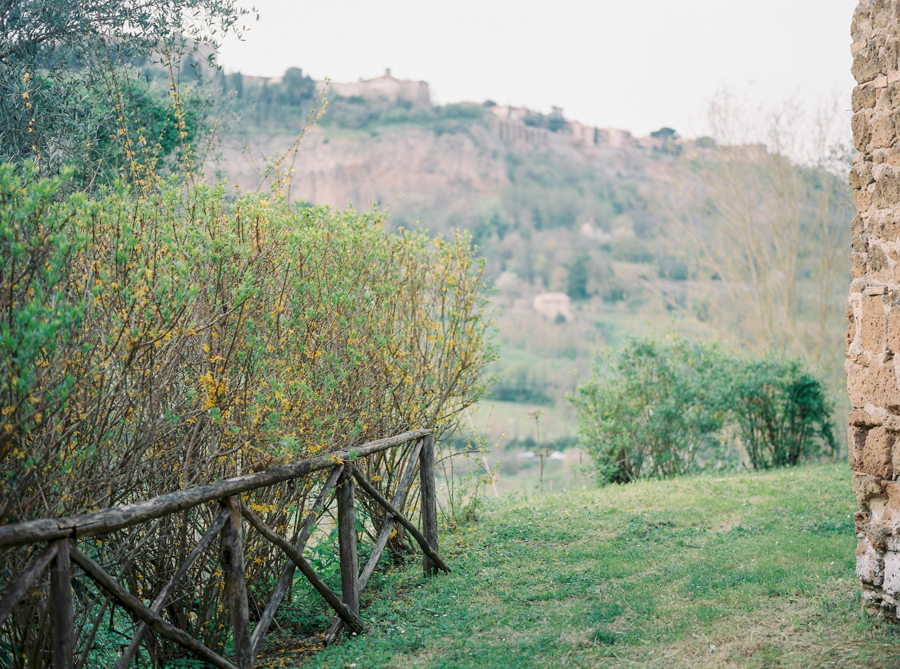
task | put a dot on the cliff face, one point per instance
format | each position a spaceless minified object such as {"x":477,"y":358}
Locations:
{"x":443,"y":179}
{"x":387,"y":169}
{"x":534,"y":201}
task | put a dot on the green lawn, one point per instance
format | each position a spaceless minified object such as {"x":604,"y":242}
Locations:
{"x":748,"y":570}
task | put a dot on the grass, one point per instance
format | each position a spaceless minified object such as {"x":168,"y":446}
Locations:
{"x":742,"y":570}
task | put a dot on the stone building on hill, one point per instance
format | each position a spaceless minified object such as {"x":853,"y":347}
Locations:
{"x":553,"y":306}
{"x":510,"y":113}
{"x":511,"y":125}
{"x":385,"y":87}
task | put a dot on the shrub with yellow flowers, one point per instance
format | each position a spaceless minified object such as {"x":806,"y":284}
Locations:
{"x":155,"y":341}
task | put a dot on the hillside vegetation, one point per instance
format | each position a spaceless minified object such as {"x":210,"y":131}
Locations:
{"x":647,"y":237}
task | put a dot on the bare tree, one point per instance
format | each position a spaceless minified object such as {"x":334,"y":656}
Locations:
{"x":764,"y":222}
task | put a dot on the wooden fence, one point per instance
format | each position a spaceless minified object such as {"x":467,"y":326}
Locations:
{"x":61,"y":538}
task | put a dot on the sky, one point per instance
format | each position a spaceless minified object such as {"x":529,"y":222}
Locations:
{"x":638,"y":65}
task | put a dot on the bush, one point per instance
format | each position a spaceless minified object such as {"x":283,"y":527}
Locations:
{"x":649,"y":412}
{"x":782,"y":412}
{"x":155,"y":342}
{"x":660,"y":409}
{"x":630,"y":249}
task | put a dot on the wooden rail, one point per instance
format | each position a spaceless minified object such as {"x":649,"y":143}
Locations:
{"x":61,"y":535}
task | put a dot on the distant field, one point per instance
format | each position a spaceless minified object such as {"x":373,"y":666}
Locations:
{"x":555,"y":358}
{"x":749,"y":570}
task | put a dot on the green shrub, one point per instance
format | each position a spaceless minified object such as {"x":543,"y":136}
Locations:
{"x":782,"y":412}
{"x":658,"y":409}
{"x":151,"y":342}
{"x":647,"y":414}
{"x":630,"y":249}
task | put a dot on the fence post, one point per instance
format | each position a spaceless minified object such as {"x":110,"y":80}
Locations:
{"x":231,"y":556}
{"x":429,"y":502}
{"x":62,"y":611}
{"x":347,"y":541}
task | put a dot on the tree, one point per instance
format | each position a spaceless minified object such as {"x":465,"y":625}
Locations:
{"x":298,"y":88}
{"x":782,"y":412}
{"x":64,"y":73}
{"x":665,"y":134}
{"x":237,"y":83}
{"x":658,"y":409}
{"x":766,"y":218}
{"x":578,"y":278}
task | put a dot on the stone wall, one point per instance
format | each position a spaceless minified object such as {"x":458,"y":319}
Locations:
{"x":873,"y":332}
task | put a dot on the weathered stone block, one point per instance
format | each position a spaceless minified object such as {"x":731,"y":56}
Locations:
{"x":887,"y":191}
{"x":873,"y":323}
{"x":858,"y":265}
{"x":861,"y":174}
{"x":878,"y":267}
{"x":884,"y":132}
{"x":862,"y":133}
{"x":872,"y":382}
{"x":861,"y":25}
{"x":890,"y":96}
{"x":864,"y":68}
{"x":863,"y":97}
{"x":878,"y":453}
{"x":869,"y":566}
{"x":865,"y":490}
{"x":881,"y":13}
{"x":886,"y":225}
{"x":893,"y":331}
{"x":865,"y":174}
{"x":863,"y":201}
{"x":886,"y":56}
{"x":891,"y":583}
{"x":856,"y":444}
{"x":883,"y":389}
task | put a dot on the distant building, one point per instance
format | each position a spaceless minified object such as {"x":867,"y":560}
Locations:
{"x":553,"y":305}
{"x":510,"y":120}
{"x":582,"y":134}
{"x":613,"y":137}
{"x":387,"y":87}
{"x":511,"y":126}
{"x":509,"y":113}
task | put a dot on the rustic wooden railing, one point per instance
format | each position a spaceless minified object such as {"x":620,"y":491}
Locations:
{"x":61,"y":535}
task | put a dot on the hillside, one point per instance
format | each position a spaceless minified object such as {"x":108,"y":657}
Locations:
{"x":745,"y":570}
{"x":553,"y":206}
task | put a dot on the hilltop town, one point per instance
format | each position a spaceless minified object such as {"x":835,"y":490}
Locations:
{"x":510,"y":122}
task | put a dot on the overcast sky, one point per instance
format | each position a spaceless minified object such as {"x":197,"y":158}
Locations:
{"x":637,"y":65}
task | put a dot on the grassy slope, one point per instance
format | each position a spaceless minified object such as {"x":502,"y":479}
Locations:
{"x":750,"y":570}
